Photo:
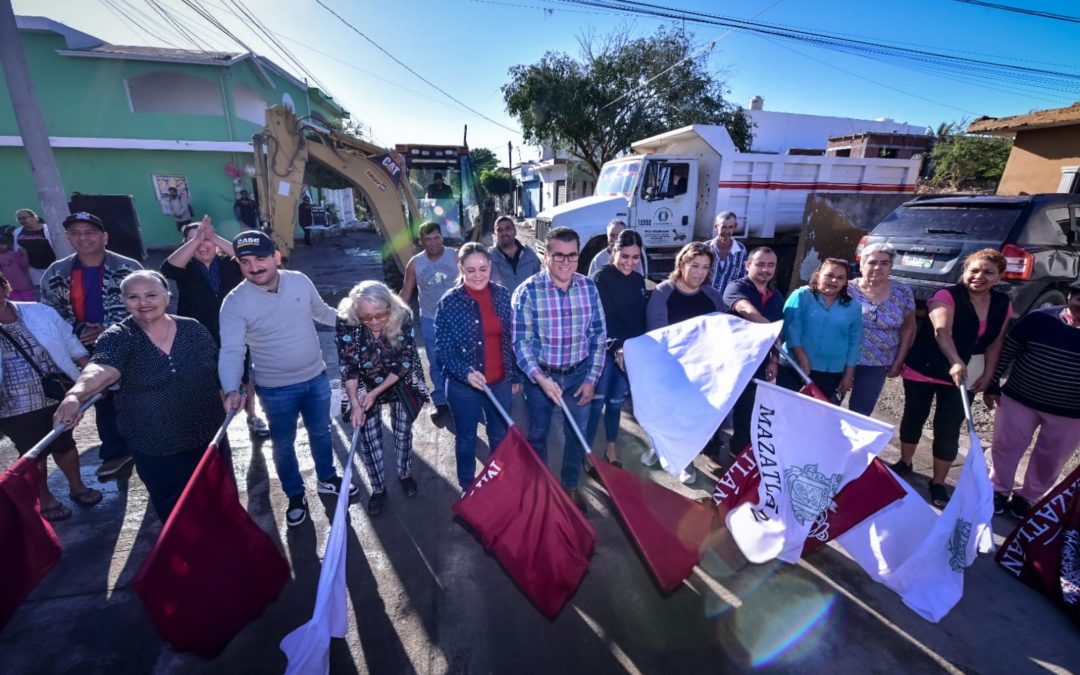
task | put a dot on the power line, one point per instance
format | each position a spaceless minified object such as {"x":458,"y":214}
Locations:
{"x":179,"y":27}
{"x":126,"y":18}
{"x":1036,"y":76}
{"x":1022,"y":10}
{"x":683,"y":60}
{"x":416,"y":74}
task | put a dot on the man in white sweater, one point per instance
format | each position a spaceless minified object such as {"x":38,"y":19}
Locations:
{"x":271,"y":312}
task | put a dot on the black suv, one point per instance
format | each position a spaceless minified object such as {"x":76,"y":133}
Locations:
{"x":1038,"y":234}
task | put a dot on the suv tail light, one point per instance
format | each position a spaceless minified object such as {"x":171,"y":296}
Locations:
{"x":1019,"y":263}
{"x":860,"y":247}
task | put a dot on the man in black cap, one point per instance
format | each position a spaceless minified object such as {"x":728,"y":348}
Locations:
{"x":271,"y":313}
{"x":84,"y":288}
{"x":246,"y":211}
{"x":438,"y":189}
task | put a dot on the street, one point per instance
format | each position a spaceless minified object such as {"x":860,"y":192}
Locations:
{"x":424,"y":596}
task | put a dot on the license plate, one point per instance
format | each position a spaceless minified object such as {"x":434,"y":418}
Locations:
{"x":921,"y":261}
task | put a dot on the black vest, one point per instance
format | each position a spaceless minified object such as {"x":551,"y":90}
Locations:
{"x":925,"y":356}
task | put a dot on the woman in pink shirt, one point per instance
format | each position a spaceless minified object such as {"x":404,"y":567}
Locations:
{"x":15,"y":265}
{"x":958,"y":346}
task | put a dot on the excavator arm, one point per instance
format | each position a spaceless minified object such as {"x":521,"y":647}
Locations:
{"x":290,"y":151}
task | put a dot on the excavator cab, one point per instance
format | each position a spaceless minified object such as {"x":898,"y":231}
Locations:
{"x":446,"y":188}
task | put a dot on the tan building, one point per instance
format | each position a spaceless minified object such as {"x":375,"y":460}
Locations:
{"x":1045,"y":155}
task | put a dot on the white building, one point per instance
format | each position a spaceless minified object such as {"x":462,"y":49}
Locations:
{"x":779,"y":132}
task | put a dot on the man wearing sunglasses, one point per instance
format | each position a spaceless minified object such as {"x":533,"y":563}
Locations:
{"x":559,"y":338}
{"x":271,"y":313}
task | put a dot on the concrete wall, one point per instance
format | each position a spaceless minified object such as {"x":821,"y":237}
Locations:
{"x":833,"y":225}
{"x":1037,"y":158}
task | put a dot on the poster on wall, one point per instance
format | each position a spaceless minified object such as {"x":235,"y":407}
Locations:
{"x":162,"y":183}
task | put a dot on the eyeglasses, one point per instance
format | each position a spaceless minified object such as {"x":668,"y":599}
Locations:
{"x":370,"y":318}
{"x":563,"y":257}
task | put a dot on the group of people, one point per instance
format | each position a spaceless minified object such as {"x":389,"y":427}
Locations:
{"x":496,"y":321}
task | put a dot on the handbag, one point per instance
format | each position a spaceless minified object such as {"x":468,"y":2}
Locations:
{"x":410,"y":398}
{"x":54,"y":385}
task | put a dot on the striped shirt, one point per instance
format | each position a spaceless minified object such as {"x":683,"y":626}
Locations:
{"x":558,"y":328}
{"x":728,"y":268}
{"x":1042,"y":358}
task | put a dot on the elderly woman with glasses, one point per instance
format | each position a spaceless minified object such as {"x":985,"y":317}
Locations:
{"x":169,"y":402}
{"x":823,"y":331}
{"x":380,"y":365}
{"x":888,"y":325}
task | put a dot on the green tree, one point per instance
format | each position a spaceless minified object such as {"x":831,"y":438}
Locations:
{"x":482,"y":158}
{"x":496,"y":182}
{"x":567,"y":101}
{"x":962,"y":160}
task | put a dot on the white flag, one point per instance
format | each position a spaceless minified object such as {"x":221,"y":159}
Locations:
{"x":807,"y":450}
{"x":686,"y":378}
{"x":922,"y":555}
{"x":308,"y":647}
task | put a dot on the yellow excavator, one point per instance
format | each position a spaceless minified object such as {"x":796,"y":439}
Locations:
{"x":292,"y":152}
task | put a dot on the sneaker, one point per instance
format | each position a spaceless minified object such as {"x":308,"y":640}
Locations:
{"x":1019,"y":507}
{"x":257,"y":427}
{"x":901,"y":468}
{"x":437,"y":412}
{"x":297,"y":512}
{"x":112,"y":466}
{"x":409,"y":486}
{"x":375,"y":502}
{"x":649,"y":458}
{"x":1000,"y":502}
{"x":939,"y":496}
{"x":332,"y":486}
{"x":578,"y":499}
{"x":688,"y":475}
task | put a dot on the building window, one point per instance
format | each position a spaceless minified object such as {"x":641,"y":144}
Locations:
{"x":843,"y":152}
{"x":174,"y":93}
{"x":249,"y":104}
{"x":887,"y":153}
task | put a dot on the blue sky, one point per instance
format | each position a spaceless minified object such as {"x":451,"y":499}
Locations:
{"x":466,"y":46}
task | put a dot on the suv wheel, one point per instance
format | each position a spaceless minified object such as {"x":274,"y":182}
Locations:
{"x":1050,"y":298}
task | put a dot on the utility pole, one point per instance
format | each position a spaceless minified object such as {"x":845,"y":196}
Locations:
{"x":35,"y":138}
{"x":510,"y":169}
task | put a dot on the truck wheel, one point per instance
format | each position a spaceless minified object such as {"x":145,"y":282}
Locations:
{"x":392,"y":275}
{"x":595,"y":245}
{"x":1050,"y":298}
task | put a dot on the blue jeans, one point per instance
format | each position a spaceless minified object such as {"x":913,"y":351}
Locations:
{"x":610,"y":394}
{"x":438,"y":380}
{"x":282,"y":405}
{"x":113,"y":445}
{"x":869,"y":381}
{"x":540,"y":408}
{"x":466,"y":407}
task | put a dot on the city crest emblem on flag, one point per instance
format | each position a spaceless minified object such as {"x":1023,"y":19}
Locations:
{"x":811,"y":491}
{"x":958,"y":545}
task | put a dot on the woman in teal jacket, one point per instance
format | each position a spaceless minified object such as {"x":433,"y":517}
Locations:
{"x":823,"y":331}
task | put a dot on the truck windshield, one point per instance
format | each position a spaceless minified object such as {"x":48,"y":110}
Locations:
{"x":618,"y":180}
{"x":949,"y":221}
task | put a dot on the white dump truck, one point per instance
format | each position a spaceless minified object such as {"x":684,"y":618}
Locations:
{"x":673,"y":185}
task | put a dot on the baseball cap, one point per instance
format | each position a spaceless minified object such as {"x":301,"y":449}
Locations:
{"x":253,"y":242}
{"x":83,"y":217}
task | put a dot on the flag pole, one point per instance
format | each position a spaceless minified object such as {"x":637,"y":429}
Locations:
{"x":39,"y":448}
{"x":574,"y":426}
{"x":793,"y":364}
{"x":495,"y":402}
{"x":223,"y":428}
{"x":967,"y":406}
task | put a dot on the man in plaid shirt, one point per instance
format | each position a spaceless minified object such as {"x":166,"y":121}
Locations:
{"x":730,"y":254}
{"x":559,"y":338}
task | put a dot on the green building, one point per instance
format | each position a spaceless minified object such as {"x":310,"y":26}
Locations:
{"x":133,"y":120}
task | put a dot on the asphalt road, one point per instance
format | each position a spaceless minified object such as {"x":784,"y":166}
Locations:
{"x":424,"y":597}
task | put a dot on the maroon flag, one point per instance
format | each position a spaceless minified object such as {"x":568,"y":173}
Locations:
{"x":213,"y":569}
{"x":29,"y":542}
{"x":527,"y":520}
{"x":669,"y":529}
{"x":875,"y":489}
{"x":1044,"y":549}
